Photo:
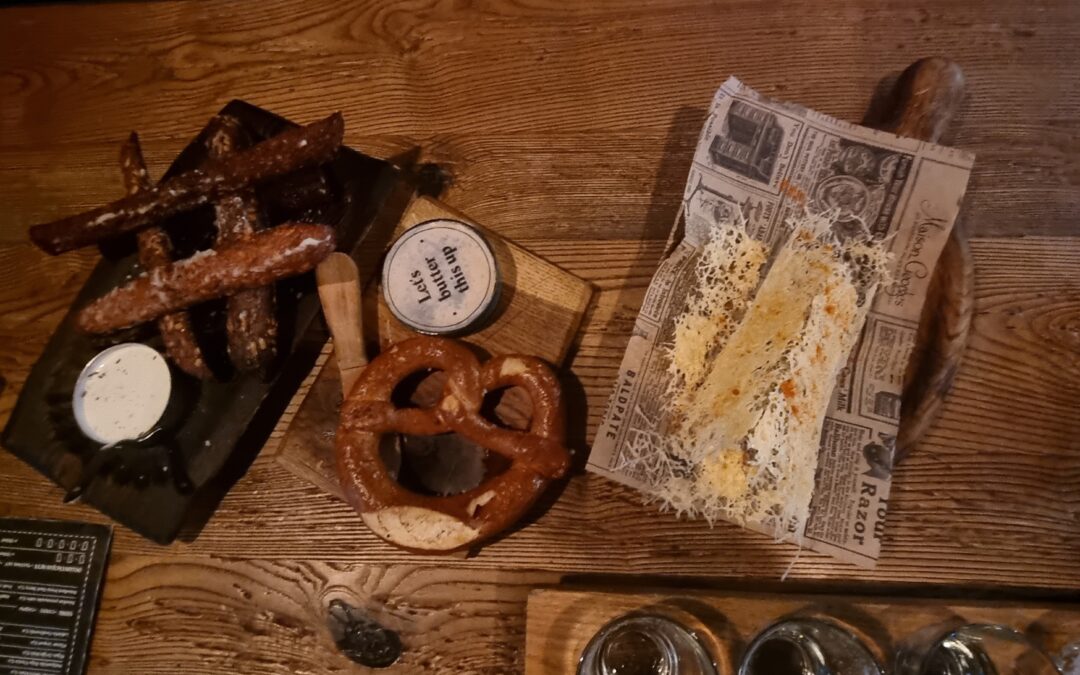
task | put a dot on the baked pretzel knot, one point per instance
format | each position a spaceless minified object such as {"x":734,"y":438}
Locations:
{"x":436,"y":524}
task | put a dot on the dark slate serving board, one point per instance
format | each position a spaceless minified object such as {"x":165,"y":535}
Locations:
{"x":223,"y":424}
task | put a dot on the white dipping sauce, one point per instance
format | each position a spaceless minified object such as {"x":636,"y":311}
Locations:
{"x":121,"y":393}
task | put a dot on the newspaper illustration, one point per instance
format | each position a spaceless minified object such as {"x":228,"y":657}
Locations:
{"x":766,"y":161}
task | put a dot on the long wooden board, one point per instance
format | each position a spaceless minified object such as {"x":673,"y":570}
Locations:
{"x":559,"y":623}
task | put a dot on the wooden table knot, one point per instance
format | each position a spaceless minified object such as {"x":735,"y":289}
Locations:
{"x":361,"y":638}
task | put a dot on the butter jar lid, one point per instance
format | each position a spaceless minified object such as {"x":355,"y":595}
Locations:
{"x":440,"y":278}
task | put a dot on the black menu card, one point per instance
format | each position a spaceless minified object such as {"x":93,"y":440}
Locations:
{"x":50,"y":575}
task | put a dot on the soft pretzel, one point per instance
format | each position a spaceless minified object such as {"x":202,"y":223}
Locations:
{"x":155,"y":250}
{"x":288,"y":151}
{"x":439,"y":524}
{"x":267,"y":256}
{"x":250,"y":322}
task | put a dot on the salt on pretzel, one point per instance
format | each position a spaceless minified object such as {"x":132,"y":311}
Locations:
{"x":441,"y":524}
{"x":283,"y":251}
{"x":284,"y":153}
{"x":155,"y":250}
{"x":250,"y":322}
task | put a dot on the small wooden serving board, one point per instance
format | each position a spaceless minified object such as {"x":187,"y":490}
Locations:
{"x":539,"y":310}
{"x":561,"y":622}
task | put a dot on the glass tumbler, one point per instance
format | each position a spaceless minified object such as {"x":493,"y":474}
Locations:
{"x":976,"y":649}
{"x":1068,"y":659}
{"x":645,"y":644}
{"x":808,"y":647}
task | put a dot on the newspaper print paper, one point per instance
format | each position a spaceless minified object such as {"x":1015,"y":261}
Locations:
{"x":767,"y":160}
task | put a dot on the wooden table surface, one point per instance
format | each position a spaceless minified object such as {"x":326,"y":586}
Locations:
{"x":569,"y":130}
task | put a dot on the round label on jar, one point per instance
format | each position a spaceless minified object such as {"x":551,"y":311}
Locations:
{"x":440,"y":277}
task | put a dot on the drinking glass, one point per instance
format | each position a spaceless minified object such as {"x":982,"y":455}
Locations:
{"x":1068,"y":659}
{"x":808,"y":647}
{"x":976,"y":649}
{"x":645,"y":644}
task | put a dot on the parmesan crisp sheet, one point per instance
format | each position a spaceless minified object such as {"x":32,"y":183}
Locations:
{"x":765,"y":165}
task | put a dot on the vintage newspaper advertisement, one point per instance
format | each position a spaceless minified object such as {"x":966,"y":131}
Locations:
{"x":764,"y":160}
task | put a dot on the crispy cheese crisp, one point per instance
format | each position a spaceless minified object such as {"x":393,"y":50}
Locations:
{"x":753,"y":358}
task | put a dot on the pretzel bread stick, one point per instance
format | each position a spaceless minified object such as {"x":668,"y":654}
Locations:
{"x":250,"y":323}
{"x":283,"y":251}
{"x":288,"y":151}
{"x":155,"y":250}
{"x":296,"y":192}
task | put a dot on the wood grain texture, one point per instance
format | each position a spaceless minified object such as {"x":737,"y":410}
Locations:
{"x":989,"y":499}
{"x":942,"y":337}
{"x":561,"y":622}
{"x":339,"y":295}
{"x":539,"y":308}
{"x":926,"y":100}
{"x":568,"y":129}
{"x":535,"y":107}
{"x":161,"y":614}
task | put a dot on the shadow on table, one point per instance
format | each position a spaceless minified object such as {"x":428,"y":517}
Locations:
{"x":666,"y":200}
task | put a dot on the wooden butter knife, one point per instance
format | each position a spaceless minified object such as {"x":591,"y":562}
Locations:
{"x":339,"y":292}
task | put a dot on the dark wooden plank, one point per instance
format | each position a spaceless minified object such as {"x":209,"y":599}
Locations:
{"x":202,"y":614}
{"x":989,"y":499}
{"x":575,"y":122}
{"x":531,"y":104}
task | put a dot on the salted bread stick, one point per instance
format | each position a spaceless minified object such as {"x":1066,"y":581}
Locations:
{"x":155,"y":250}
{"x":277,"y":253}
{"x":250,"y":323}
{"x":288,"y":151}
